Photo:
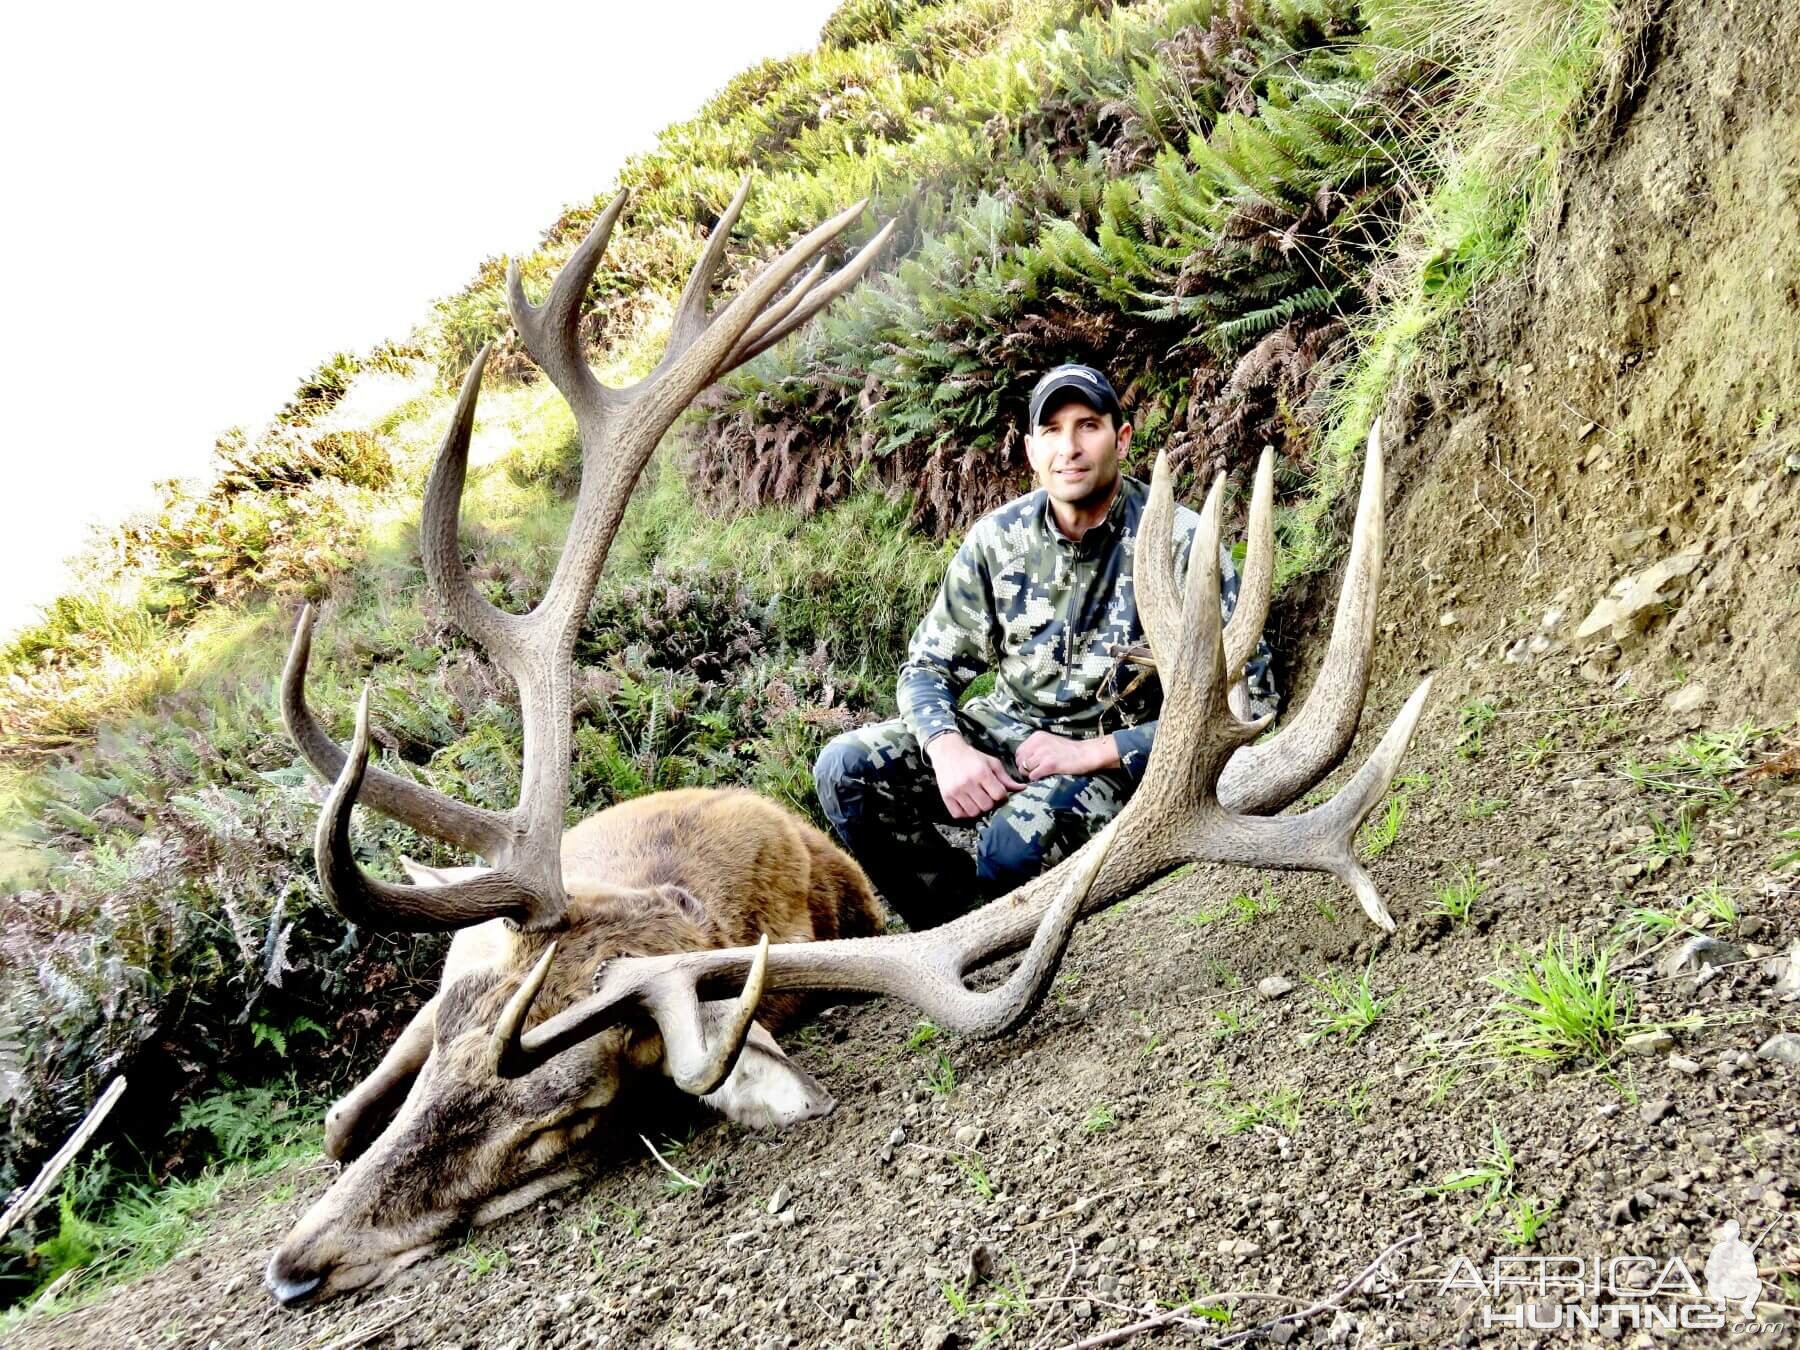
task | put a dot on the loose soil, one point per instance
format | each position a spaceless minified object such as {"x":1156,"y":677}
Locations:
{"x":1163,"y":1129}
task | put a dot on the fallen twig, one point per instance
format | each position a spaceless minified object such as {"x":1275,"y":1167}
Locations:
{"x":1324,"y":1305}
{"x":670,"y":1167}
{"x":1183,"y":1315}
{"x":30,"y":1197}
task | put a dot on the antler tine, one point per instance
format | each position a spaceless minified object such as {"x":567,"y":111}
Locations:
{"x":847,"y":276}
{"x":384,"y":907}
{"x":426,"y":810}
{"x":440,"y":546}
{"x":503,"y":1046}
{"x":690,"y":310}
{"x":1197,"y":723}
{"x":1153,"y":566}
{"x":693,"y":1067}
{"x":779,"y":310}
{"x":1264,"y":778}
{"x":684,"y":372}
{"x":1252,"y":611}
{"x":552,"y":331}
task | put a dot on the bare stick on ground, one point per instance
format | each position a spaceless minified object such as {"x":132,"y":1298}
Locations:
{"x":1184,"y":1315}
{"x":30,"y":1197}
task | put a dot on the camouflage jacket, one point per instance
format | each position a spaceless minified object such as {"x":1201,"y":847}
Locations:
{"x":1040,"y":610}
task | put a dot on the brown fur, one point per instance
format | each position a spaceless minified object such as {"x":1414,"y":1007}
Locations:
{"x":435,"y":1140}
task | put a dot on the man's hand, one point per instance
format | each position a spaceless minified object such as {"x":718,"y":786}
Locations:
{"x":970,"y":782}
{"x":1044,"y":755}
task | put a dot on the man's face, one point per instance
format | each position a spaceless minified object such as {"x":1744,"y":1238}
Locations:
{"x":1075,"y":453}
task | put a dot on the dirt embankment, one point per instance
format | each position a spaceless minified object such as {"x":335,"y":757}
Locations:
{"x":1626,"y":431}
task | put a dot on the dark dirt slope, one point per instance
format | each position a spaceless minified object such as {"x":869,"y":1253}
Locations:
{"x":1161,"y":1128}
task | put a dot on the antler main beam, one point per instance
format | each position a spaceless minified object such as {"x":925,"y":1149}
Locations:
{"x":1178,"y":815}
{"x":618,"y":429}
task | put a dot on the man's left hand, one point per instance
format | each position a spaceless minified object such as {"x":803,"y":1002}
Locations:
{"x":1044,"y":755}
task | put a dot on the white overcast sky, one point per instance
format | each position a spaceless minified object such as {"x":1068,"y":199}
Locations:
{"x":208,"y":199}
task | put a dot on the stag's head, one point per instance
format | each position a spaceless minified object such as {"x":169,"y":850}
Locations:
{"x":461,"y":1126}
{"x":468,"y":1145}
{"x":485,"y":1128}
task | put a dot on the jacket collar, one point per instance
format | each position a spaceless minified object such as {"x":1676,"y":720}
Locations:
{"x":1119,"y":515}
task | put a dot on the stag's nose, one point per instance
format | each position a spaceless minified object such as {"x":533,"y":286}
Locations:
{"x":288,"y":1285}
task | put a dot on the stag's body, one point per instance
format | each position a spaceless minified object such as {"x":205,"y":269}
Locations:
{"x":671,"y":872}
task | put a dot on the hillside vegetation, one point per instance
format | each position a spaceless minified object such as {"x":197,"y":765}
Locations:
{"x":1256,"y":214}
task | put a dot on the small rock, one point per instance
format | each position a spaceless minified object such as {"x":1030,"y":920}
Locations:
{"x":1648,"y":1043}
{"x":1689,"y":698}
{"x":1653,"y":1113}
{"x":1238,"y":1247}
{"x":1781,"y":1048}
{"x":1681,"y":1064}
{"x":970,"y":1136}
{"x":1787,"y":980}
{"x":897,"y":1138}
{"x":980,"y":1266}
{"x":1638,"y":598}
{"x":1447,"y":619}
{"x":1274,"y":986}
{"x":1699,"y":952}
{"x":781,"y":1199}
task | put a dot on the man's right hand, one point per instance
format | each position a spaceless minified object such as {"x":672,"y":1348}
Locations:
{"x":970,"y":782}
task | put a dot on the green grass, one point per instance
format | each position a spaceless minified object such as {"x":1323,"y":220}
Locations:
{"x":1280,"y":1108}
{"x":1379,"y":834}
{"x":1697,"y":766}
{"x":480,"y":1261}
{"x":1493,"y":1176}
{"x":941,"y":1077}
{"x":1456,"y":898}
{"x":1791,"y":858}
{"x":117,"y":1222}
{"x":1716,"y":903}
{"x":1563,"y":1003}
{"x":923,"y":1034}
{"x":1483,"y":808}
{"x":1100,"y":1120}
{"x":1528,"y":1220}
{"x":1472,"y":722}
{"x":1669,"y":840}
{"x":1344,"y":1009}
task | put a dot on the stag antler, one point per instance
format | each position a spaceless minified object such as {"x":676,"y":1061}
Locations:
{"x":1195,"y":804}
{"x":618,"y":430}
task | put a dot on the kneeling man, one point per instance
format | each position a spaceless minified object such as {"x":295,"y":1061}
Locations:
{"x":1039,"y":593}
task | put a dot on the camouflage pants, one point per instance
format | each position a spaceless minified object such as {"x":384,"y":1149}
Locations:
{"x":881,"y":797}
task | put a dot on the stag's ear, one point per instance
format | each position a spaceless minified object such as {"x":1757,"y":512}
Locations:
{"x":686,"y":901}
{"x":421,"y":875}
{"x":767,"y":1090}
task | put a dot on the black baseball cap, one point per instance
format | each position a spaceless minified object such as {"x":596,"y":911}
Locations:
{"x":1092,"y":387}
